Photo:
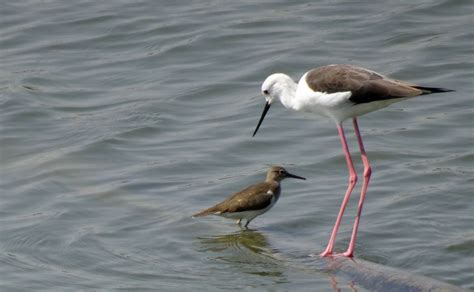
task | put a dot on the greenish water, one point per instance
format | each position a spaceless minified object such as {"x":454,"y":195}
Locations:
{"x":119,"y":120}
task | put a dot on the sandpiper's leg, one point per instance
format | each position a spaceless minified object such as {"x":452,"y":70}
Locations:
{"x":365,"y":184}
{"x":350,"y":187}
{"x":246,"y":224}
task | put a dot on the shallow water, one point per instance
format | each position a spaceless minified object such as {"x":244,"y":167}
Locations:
{"x":118,"y":120}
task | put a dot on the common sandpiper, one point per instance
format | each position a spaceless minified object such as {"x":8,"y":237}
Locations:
{"x":253,"y":200}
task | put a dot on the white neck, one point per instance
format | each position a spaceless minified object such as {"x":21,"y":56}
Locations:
{"x":286,"y":92}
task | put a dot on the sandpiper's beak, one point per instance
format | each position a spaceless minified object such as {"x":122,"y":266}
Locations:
{"x":265,"y":110}
{"x":294,"y":176}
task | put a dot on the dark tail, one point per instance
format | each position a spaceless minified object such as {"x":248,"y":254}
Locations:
{"x":429,"y":90}
{"x":200,"y":214}
{"x":205,"y":212}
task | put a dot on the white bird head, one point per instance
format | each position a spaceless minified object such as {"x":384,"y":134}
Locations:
{"x":275,"y":86}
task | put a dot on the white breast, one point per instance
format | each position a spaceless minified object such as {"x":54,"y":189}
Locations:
{"x":332,"y":105}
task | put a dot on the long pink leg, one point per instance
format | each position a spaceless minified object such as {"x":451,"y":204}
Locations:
{"x":365,"y":184}
{"x":350,"y":187}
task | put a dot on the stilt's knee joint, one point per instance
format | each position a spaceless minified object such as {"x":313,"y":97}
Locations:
{"x":353,"y":179}
{"x":367,"y":172}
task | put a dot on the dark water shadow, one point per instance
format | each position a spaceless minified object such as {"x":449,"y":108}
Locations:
{"x":376,"y":277}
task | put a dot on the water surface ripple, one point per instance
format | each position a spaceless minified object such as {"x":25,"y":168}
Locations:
{"x":119,"y":119}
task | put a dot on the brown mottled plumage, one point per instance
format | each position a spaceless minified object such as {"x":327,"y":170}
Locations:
{"x":253,"y":200}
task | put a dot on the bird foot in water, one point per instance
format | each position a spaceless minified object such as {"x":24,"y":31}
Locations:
{"x":331,"y":254}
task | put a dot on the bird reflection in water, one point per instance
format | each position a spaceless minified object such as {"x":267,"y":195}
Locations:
{"x":248,"y":250}
{"x":248,"y":240}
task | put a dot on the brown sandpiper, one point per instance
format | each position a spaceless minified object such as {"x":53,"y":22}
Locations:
{"x":253,"y":200}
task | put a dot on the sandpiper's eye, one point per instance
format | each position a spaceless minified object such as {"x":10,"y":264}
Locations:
{"x":265,"y":92}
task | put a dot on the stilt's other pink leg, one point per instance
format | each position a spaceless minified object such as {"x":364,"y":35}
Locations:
{"x":365,"y":185}
{"x":350,"y":187}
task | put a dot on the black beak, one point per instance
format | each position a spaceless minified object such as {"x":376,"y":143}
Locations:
{"x":294,"y":176}
{"x":265,"y":110}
